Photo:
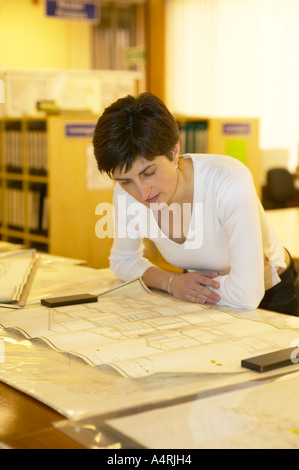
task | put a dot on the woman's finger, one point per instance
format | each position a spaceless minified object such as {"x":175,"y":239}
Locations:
{"x":204,"y":295}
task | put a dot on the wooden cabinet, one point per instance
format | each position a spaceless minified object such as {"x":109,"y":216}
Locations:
{"x":236,"y":137}
{"x":24,"y":182}
{"x":73,"y":197}
{"x":45,"y":199}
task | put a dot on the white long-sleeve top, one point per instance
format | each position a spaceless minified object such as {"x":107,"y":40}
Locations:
{"x":228,"y":233}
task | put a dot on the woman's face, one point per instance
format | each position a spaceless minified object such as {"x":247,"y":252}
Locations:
{"x":150,"y":182}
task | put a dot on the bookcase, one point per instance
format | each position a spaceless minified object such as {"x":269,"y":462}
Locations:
{"x":24,"y":182}
{"x":76,"y":189}
{"x":236,"y":137}
{"x":46,"y":201}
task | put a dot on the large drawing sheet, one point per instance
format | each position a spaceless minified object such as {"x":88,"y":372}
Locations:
{"x":140,"y":333}
{"x":15,"y":269}
{"x":74,"y":388}
{"x":262,"y":415}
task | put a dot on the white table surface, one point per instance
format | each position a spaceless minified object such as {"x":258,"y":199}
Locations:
{"x":286,"y":223}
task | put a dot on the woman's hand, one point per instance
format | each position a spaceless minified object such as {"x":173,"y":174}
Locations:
{"x":193,"y":287}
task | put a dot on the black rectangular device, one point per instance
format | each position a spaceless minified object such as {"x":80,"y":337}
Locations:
{"x":68,"y":300}
{"x":273,"y":360}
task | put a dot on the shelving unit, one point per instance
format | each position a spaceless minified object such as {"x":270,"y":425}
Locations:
{"x":236,"y":137}
{"x":24,"y":182}
{"x":73,"y":198}
{"x":45,"y":199}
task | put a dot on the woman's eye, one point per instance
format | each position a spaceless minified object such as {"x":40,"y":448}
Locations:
{"x":149,"y":174}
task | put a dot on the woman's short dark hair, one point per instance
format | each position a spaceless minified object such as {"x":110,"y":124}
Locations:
{"x":134,"y":127}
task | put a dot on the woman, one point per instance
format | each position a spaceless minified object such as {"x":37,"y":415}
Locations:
{"x":201,"y":211}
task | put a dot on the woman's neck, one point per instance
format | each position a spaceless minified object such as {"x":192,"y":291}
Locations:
{"x":185,"y":182}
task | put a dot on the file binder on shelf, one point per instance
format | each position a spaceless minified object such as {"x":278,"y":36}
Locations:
{"x":13,"y":147}
{"x":15,"y":208}
{"x":194,"y":137}
{"x":37,"y":147}
{"x":37,"y":209}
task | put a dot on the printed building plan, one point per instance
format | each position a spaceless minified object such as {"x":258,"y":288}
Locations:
{"x":139,"y":333}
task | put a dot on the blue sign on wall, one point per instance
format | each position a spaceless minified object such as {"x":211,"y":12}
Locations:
{"x":236,"y":128}
{"x":72,"y":9}
{"x":79,"y":130}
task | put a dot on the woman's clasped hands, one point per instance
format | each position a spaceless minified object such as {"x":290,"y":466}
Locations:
{"x":195,"y":287}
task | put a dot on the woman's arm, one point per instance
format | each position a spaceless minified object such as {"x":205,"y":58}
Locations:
{"x":188,"y":286}
{"x":238,"y":212}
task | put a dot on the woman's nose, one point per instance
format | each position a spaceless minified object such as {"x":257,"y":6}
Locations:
{"x":144,"y":190}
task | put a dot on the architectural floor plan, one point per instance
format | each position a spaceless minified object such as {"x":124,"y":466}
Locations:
{"x":139,"y":332}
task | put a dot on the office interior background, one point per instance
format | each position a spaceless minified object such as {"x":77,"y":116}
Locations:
{"x":207,"y":59}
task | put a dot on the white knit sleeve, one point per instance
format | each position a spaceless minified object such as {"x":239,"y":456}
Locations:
{"x":237,"y":205}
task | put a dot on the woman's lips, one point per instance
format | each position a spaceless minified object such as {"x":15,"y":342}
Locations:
{"x":153,"y":199}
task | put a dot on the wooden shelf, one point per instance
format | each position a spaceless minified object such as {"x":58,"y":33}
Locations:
{"x":4,"y":175}
{"x":26,"y":236}
{"x":24,"y":191}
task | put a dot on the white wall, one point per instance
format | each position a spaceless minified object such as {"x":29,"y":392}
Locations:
{"x":237,"y":58}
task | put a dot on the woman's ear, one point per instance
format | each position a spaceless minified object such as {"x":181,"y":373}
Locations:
{"x":176,"y":152}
